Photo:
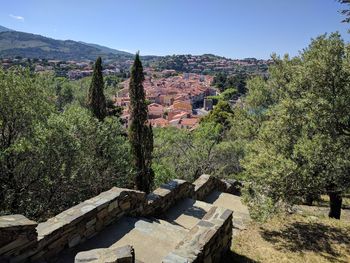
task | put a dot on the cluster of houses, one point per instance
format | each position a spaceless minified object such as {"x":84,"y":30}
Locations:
{"x":172,"y":100}
{"x":72,"y":69}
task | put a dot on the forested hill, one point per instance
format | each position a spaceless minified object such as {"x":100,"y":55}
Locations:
{"x":14,"y":43}
{"x":26,"y":45}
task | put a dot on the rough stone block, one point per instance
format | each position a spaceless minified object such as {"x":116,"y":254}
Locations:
{"x":75,"y":240}
{"x":16,"y":232}
{"x":125,"y":205}
{"x":123,"y":254}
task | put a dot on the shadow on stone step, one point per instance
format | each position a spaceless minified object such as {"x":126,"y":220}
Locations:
{"x":104,"y":239}
{"x":185,"y":207}
{"x":212,"y":197}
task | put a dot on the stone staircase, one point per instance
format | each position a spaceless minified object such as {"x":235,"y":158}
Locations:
{"x":176,"y":225}
{"x":153,"y":239}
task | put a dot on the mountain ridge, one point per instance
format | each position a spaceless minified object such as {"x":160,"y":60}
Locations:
{"x":5,"y":29}
{"x":16,"y":43}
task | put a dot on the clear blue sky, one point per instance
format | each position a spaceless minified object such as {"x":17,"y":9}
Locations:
{"x":231,"y":28}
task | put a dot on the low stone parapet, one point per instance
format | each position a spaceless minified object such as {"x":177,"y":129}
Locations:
{"x":123,"y":254}
{"x":205,"y":184}
{"x":78,"y":223}
{"x":207,"y":241}
{"x":16,"y":234}
{"x":230,"y":186}
{"x":167,"y":195}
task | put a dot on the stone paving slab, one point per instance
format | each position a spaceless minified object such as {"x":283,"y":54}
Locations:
{"x":152,"y":239}
{"x":240,"y":211}
{"x":187,"y":213}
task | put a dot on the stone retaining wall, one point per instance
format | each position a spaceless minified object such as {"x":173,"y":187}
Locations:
{"x":207,"y":241}
{"x":78,"y":223}
{"x":23,"y":240}
{"x":167,"y":195}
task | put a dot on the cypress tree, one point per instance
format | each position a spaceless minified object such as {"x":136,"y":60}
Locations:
{"x":140,"y":135}
{"x":96,"y":101}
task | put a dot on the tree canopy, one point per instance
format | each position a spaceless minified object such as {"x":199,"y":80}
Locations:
{"x":302,"y":119}
{"x":96,"y":101}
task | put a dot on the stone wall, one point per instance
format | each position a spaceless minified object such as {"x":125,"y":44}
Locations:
{"x":205,"y":184}
{"x":207,"y":241}
{"x":230,"y":186}
{"x":78,"y":223}
{"x":167,"y":195}
{"x":16,"y":233}
{"x":24,"y":240}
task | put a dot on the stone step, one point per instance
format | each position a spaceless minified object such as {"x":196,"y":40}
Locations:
{"x":187,"y":213}
{"x":152,"y":239}
{"x":240,"y":215}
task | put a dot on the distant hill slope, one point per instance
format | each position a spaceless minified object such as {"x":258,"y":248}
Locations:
{"x":106,"y":49}
{"x":14,"y":43}
{"x":4,"y":29}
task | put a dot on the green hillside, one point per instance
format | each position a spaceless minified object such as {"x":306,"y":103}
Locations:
{"x":13,"y":43}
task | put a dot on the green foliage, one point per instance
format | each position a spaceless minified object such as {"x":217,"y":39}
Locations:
{"x":300,"y":121}
{"x":220,"y":80}
{"x":223,"y":81}
{"x":345,"y":12}
{"x":69,"y":155}
{"x":221,"y":115}
{"x":15,"y":43}
{"x":229,"y":94}
{"x":140,"y":135}
{"x":64,"y":93}
{"x":207,"y":149}
{"x":96,"y":101}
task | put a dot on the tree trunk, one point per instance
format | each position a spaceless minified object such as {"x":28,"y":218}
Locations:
{"x":335,"y":202}
{"x":309,"y":199}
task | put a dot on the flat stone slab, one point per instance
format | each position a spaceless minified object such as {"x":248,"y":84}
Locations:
{"x":187,"y":213}
{"x":102,"y":255}
{"x":240,"y":211}
{"x":152,"y":239}
{"x":10,"y":221}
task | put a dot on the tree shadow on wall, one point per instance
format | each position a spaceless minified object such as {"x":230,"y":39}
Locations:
{"x":309,"y":237}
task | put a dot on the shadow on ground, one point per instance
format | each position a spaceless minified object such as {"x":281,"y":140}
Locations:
{"x":309,"y":237}
{"x":231,"y":256}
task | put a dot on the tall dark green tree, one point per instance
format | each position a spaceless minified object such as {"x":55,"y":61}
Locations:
{"x":96,"y":101}
{"x":141,"y":136}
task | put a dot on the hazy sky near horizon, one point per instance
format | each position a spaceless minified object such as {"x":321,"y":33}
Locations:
{"x":231,"y":28}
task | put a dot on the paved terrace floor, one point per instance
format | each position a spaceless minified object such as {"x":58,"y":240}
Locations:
{"x":153,"y":239}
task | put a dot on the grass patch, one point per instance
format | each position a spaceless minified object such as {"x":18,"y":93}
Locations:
{"x":293,"y":238}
